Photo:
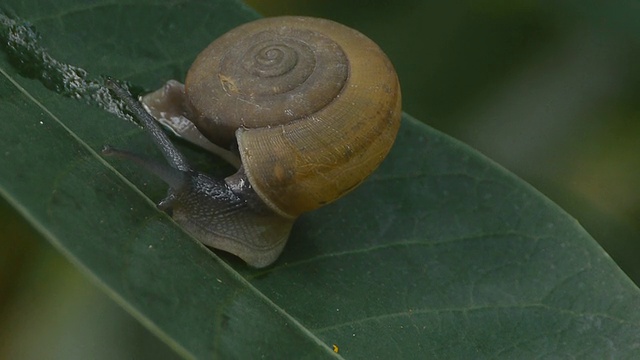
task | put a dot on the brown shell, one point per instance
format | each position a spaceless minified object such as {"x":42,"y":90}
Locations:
{"x":314,"y":107}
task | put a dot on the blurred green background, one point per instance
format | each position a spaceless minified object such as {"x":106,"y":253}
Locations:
{"x":550,"y":90}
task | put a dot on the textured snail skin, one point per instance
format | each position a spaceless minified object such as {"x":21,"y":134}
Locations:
{"x":310,"y":107}
{"x":229,"y":219}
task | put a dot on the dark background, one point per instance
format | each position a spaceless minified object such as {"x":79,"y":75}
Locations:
{"x":549,"y":90}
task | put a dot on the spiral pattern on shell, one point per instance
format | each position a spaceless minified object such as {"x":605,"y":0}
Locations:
{"x":264,"y":78}
{"x":313,"y":105}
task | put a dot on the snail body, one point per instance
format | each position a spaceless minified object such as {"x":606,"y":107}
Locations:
{"x":306,"y":108}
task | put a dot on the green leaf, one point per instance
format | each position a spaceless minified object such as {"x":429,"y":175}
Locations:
{"x":441,"y":253}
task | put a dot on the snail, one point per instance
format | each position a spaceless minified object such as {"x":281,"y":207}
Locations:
{"x":306,"y":108}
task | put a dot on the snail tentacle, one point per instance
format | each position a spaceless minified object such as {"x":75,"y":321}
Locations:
{"x":170,"y":152}
{"x":175,"y":178}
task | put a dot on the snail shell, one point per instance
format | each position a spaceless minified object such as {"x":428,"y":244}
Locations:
{"x":310,"y":106}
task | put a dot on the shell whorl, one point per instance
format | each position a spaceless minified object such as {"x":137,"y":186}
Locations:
{"x":259,"y":75}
